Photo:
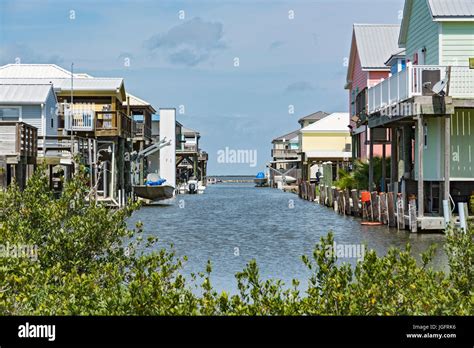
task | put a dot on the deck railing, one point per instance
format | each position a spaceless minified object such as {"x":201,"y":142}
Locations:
{"x":284,"y":153}
{"x":18,"y":138}
{"x":141,"y":130}
{"x":410,"y":82}
{"x":79,"y":119}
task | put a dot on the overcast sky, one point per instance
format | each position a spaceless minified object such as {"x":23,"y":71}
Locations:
{"x":236,"y":68}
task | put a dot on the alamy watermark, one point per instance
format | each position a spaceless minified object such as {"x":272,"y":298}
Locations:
{"x":27,"y":251}
{"x":234,"y":156}
{"x":346,"y":251}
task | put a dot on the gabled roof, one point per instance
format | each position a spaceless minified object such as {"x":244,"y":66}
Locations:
{"x":24,"y":94}
{"x":400,"y":53}
{"x":188,"y":131}
{"x":451,"y":8}
{"x":316,"y":116}
{"x":80,"y":84}
{"x":33,"y":70}
{"x":440,"y":10}
{"x":287,"y":137}
{"x":333,"y":123}
{"x":135,"y":101}
{"x":374,"y":43}
{"x":59,"y":77}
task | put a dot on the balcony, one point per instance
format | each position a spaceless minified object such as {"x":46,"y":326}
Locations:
{"x":19,"y":141}
{"x":113,"y":123}
{"x":79,"y":119}
{"x":141,"y":130}
{"x":361,"y":106}
{"x":284,"y":153}
{"x":410,"y":82}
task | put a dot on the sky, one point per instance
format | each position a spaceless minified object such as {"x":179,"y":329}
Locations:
{"x":240,"y":72}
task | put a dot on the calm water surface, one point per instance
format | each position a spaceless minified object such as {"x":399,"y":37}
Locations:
{"x":262,"y":225}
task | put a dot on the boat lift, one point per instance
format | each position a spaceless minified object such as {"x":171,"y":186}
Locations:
{"x":145,"y":153}
{"x":279,"y":172}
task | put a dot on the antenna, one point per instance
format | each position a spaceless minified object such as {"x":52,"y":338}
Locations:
{"x":72,"y":83}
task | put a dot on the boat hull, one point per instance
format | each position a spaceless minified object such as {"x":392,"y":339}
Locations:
{"x":260,"y":182}
{"x":288,"y":179}
{"x":154,"y":193}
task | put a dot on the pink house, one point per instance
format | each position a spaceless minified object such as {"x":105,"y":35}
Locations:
{"x":372,"y":45}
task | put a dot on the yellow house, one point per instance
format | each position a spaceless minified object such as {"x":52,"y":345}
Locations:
{"x":327,"y":140}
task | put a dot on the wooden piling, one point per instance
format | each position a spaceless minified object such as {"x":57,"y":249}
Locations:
{"x":355,"y":203}
{"x":391,"y":210}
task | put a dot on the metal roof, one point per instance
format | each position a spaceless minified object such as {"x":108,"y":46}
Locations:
{"x":24,"y":94}
{"x":336,"y":122}
{"x":33,"y":70}
{"x":315,"y":116}
{"x":189,"y":131}
{"x":288,"y":137}
{"x":451,"y":8}
{"x":84,"y":84}
{"x":375,"y":43}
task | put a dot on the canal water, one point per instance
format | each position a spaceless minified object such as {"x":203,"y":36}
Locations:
{"x":231,"y":224}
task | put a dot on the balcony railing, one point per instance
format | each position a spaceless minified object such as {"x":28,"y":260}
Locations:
{"x":410,"y":83}
{"x":108,"y":122}
{"x":284,"y":153}
{"x":18,"y":139}
{"x":79,"y":119}
{"x":141,"y":130}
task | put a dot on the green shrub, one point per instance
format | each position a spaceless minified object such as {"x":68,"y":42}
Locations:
{"x":90,"y":263}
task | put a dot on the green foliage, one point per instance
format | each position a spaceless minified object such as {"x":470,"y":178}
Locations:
{"x":361,"y":173}
{"x":90,"y":263}
{"x":346,"y":180}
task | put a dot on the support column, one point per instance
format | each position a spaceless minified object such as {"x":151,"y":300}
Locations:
{"x":394,"y":157}
{"x":420,"y":166}
{"x":371,"y":160}
{"x":384,"y":167}
{"x":447,"y":156}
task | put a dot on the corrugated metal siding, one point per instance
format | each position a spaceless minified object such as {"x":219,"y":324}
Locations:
{"x":457,"y":42}
{"x":448,"y":8}
{"x":375,"y":43}
{"x":422,"y":32}
{"x":31,"y":114}
{"x":23,"y":93}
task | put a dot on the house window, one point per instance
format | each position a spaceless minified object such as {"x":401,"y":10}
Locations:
{"x":52,"y":122}
{"x":9,"y":113}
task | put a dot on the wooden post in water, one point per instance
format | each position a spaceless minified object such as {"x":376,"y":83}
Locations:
{"x":348,"y":201}
{"x":383,"y":208}
{"x":412,"y":220}
{"x":355,"y":202}
{"x":374,"y":208}
{"x":391,"y":210}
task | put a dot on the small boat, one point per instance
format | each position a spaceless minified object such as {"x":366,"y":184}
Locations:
{"x":371,"y":223}
{"x":193,"y":186}
{"x":154,"y":189}
{"x":286,"y":178}
{"x":260,"y":180}
{"x":211,"y":181}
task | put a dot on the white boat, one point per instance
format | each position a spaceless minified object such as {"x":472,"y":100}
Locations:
{"x":287,"y":179}
{"x":211,"y":181}
{"x":193,"y":186}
